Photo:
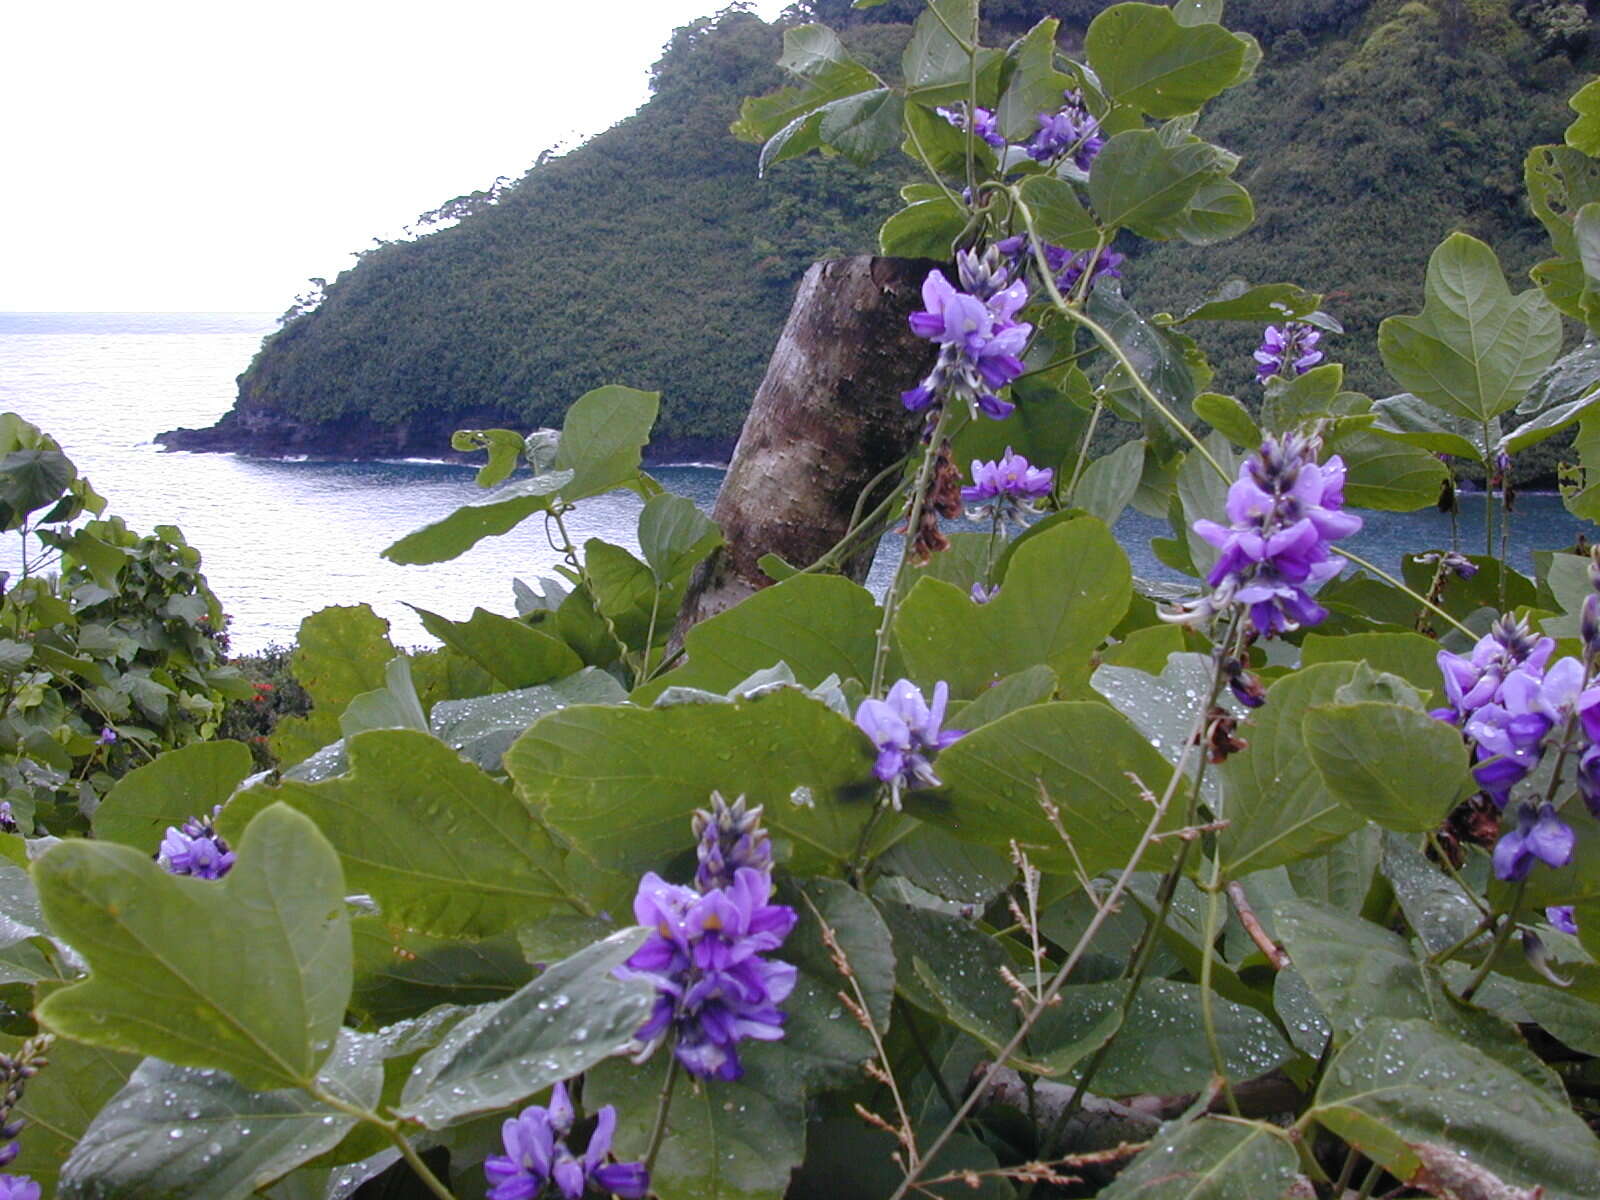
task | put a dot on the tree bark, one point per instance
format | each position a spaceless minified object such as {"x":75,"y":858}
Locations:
{"x":826,"y":420}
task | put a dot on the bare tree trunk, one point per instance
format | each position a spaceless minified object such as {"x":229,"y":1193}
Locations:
{"x":826,"y":420}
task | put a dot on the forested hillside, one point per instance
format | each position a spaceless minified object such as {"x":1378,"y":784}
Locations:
{"x":655,"y":255}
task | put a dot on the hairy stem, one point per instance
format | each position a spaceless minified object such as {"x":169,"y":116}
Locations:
{"x":658,"y":1131}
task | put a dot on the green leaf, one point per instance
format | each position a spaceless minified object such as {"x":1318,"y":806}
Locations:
{"x":1079,"y":756}
{"x":820,"y":625}
{"x":1552,"y":420}
{"x":950,"y":968}
{"x":936,"y":66}
{"x":1164,"y":706}
{"x":1203,"y":495}
{"x":1146,"y":58}
{"x":1063,"y":592}
{"x":503,"y":446}
{"x":1411,"y":1097}
{"x":1409,"y":655}
{"x":1220,"y":209}
{"x":621,"y":783}
{"x":60,"y":1103}
{"x":1059,"y":217}
{"x":512,"y":651}
{"x":1209,"y":1159}
{"x":482,"y":728}
{"x":602,"y":437}
{"x":442,"y":847}
{"x":863,"y":127}
{"x":1439,"y":910}
{"x":393,"y":706}
{"x":339,"y":653}
{"x":1475,"y":349}
{"x":401,"y":974}
{"x":948,"y":868}
{"x":1108,"y":485}
{"x":174,"y":1133}
{"x":1236,"y":300}
{"x":31,"y":479}
{"x":1033,"y":85}
{"x":452,"y":536}
{"x":182,"y":783}
{"x":1278,"y":808}
{"x":1387,"y":475}
{"x":625,"y":591}
{"x":248,"y":974}
{"x":568,"y":1019}
{"x":1393,"y":765}
{"x":1583,"y":134}
{"x":1229,"y":418}
{"x":1413,"y":420}
{"x":674,"y":536}
{"x":926,"y":229}
{"x":1140,"y":183}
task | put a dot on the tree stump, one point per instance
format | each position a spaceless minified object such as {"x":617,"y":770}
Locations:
{"x":825,"y":422}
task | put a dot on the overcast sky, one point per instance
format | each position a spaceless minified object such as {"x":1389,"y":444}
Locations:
{"x":213,"y":156}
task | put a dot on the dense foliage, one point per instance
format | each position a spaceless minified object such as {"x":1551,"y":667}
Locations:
{"x":1372,"y":130}
{"x":1027,"y":878}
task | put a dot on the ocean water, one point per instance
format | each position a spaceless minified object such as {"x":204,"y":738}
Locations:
{"x":282,"y":539}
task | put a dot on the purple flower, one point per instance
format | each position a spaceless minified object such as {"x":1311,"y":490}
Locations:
{"x":1561,"y":916}
{"x":713,"y":988}
{"x":905,"y":729}
{"x":195,"y":849}
{"x":1010,"y":477}
{"x":979,"y":340}
{"x":983,"y":124}
{"x":1107,"y":264}
{"x":1542,"y":835}
{"x":729,"y":837}
{"x":107,"y":735}
{"x":1288,"y":352}
{"x":18,"y":1187}
{"x":8,"y":824}
{"x":536,"y":1154}
{"x":1069,"y":129}
{"x":1473,"y":681}
{"x":981,"y":594}
{"x":1283,"y":511}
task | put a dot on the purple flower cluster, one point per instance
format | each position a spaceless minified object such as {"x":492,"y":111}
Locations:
{"x":906,"y":731}
{"x":1513,"y":708}
{"x":1288,"y":352}
{"x":713,"y":988}
{"x":196,"y":849}
{"x":537,"y":1155}
{"x":1070,"y":129}
{"x":1283,"y":511}
{"x":983,"y":123}
{"x":18,"y":1187}
{"x":1066,"y":267}
{"x":1010,"y":479}
{"x":15,"y":1071}
{"x":980,"y":341}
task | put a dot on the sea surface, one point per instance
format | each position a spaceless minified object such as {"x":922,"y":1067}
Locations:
{"x":281,"y":539}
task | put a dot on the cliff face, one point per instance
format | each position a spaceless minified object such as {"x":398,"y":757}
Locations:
{"x":653,"y":255}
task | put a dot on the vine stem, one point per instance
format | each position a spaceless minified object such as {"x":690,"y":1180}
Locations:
{"x":394,"y":1133}
{"x":891,"y":601}
{"x":1083,"y":450}
{"x":658,"y":1131}
{"x":1399,"y":583}
{"x":1059,"y":979}
{"x":1501,"y":937}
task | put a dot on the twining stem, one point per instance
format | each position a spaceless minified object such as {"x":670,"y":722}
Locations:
{"x":658,"y":1131}
{"x":1252,"y":925}
{"x":1208,"y":954}
{"x":394,"y":1133}
{"x":1083,"y":450}
{"x":1488,"y":494}
{"x":891,"y":601}
{"x":1059,"y":979}
{"x":1502,"y":936}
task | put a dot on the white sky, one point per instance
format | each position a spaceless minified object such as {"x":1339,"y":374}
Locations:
{"x":213,"y":156}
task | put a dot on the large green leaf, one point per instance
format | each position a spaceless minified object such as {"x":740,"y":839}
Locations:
{"x":482,"y":728}
{"x":572,"y":1016}
{"x":864,"y":126}
{"x":820,"y":625}
{"x":1583,"y":134}
{"x":1210,"y":1159}
{"x":183,"y":1133}
{"x":1475,"y":349}
{"x":1411,"y":419}
{"x":1412,"y":1097}
{"x":1064,"y":591}
{"x":1387,"y":475}
{"x":60,"y":1103}
{"x":936,"y":66}
{"x":926,"y":229}
{"x":1165,"y":707}
{"x":402,"y":974}
{"x":1392,"y":764}
{"x":674,"y":535}
{"x":815,"y":54}
{"x":1108,"y":485}
{"x":501,"y":512}
{"x":249,"y":974}
{"x":1059,"y":217}
{"x":393,"y":706}
{"x":30,"y":479}
{"x":1033,"y":85}
{"x":339,"y":653}
{"x":512,"y":651}
{"x":621,"y":783}
{"x":1145,"y":57}
{"x":182,"y":783}
{"x":440,"y":845}
{"x":1278,"y":808}
{"x":1409,"y":655}
{"x":1140,"y":183}
{"x":1086,"y":759}
{"x":1236,"y":300}
{"x":602,"y":437}
{"x":1220,"y":209}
